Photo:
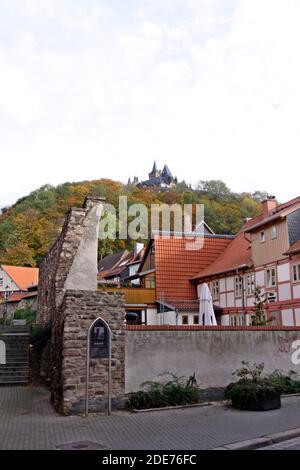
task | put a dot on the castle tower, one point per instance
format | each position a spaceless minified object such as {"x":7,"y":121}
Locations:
{"x":154,"y":173}
{"x":167,"y":175}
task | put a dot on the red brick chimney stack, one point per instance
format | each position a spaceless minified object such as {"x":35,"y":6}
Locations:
{"x":268,"y":206}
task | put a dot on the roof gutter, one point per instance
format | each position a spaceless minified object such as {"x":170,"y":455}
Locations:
{"x":263,"y":222}
{"x":242,"y":266}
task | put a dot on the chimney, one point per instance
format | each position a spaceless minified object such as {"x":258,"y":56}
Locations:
{"x":268,"y":206}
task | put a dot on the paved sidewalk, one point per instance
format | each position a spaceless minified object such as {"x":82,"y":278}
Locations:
{"x":27,"y":421}
{"x":291,"y":444}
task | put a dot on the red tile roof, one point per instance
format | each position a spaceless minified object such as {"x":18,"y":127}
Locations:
{"x":126,"y":260}
{"x":175,"y":264}
{"x":279,"y":211}
{"x":23,"y":277}
{"x":238,"y":253}
{"x":295,"y":248}
{"x":17,"y":296}
{"x":287,"y":204}
{"x":235,"y":255}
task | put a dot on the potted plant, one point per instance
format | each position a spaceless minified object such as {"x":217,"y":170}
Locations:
{"x":252,"y":392}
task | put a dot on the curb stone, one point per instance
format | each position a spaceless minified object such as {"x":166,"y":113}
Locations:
{"x":263,"y":441}
{"x":166,"y":408}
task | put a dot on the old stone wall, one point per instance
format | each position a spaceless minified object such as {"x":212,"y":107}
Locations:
{"x":212,"y":353}
{"x":69,"y":341}
{"x":71,"y":263}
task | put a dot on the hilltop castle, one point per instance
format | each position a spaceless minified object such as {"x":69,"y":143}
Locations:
{"x":158,"y":179}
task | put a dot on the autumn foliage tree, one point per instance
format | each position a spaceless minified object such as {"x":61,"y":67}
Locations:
{"x":30,"y":226}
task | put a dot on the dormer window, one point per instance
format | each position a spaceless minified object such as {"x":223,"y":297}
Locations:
{"x":273,"y":232}
{"x":262,"y":236}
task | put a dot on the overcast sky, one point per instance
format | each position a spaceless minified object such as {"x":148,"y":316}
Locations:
{"x":99,"y":88}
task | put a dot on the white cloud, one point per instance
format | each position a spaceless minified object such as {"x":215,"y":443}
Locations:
{"x":93,"y":89}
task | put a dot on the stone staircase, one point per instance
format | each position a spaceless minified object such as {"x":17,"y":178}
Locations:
{"x":15,"y":370}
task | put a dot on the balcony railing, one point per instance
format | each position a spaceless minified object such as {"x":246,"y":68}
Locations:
{"x":134,"y":295}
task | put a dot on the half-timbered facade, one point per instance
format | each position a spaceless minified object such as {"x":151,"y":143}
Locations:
{"x":265,"y":253}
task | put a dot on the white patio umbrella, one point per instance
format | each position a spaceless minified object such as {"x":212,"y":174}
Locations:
{"x":206,"y":310}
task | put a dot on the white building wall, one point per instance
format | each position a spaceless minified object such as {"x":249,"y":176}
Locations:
{"x":260,"y":278}
{"x":230,"y":299}
{"x":168,"y":318}
{"x":222,"y":285}
{"x":229,"y":283}
{"x":152,"y":316}
{"x":287,"y":317}
{"x":284,"y":291}
{"x":250,"y":301}
{"x":297,"y":316}
{"x":225,"y":320}
{"x":8,"y":284}
{"x":296,"y":291}
{"x":283,"y":272}
{"x":223,"y":302}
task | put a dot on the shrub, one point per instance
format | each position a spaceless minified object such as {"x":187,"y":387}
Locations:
{"x":285,"y":384}
{"x":176,"y":391}
{"x":39,"y":336}
{"x":246,"y":390}
{"x":252,"y":386}
{"x":25,"y":314}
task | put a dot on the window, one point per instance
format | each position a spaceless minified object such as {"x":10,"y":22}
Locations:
{"x":238,"y":286}
{"x":250,"y":284}
{"x":273,"y":232}
{"x":196,"y":319}
{"x":262,"y":237}
{"x":237,"y":320}
{"x":185,"y":319}
{"x":150,"y":281}
{"x":215,"y":290}
{"x":271,"y":277}
{"x":1,"y":281}
{"x":296,"y":273}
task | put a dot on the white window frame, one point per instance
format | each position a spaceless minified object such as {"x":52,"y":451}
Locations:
{"x":250,"y":286}
{"x":1,"y":281}
{"x":262,"y":236}
{"x":273,"y":232}
{"x":296,"y":271}
{"x":238,"y":286}
{"x":215,"y":290}
{"x":270,"y":276}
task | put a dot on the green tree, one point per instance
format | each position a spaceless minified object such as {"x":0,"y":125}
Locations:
{"x":214,"y":188}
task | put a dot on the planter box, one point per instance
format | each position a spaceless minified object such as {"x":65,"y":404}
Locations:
{"x":272,"y":402}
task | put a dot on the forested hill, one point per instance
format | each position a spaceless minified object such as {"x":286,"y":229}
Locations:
{"x":29,"y":227}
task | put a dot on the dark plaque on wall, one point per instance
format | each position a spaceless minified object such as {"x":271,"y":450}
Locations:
{"x":99,"y":340}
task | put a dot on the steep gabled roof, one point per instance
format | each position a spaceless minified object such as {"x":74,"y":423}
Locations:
{"x":236,"y":255}
{"x":280,"y":211}
{"x":109,"y":261}
{"x":23,"y":277}
{"x":176,"y":264}
{"x":294,"y":248}
{"x":166,"y":173}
